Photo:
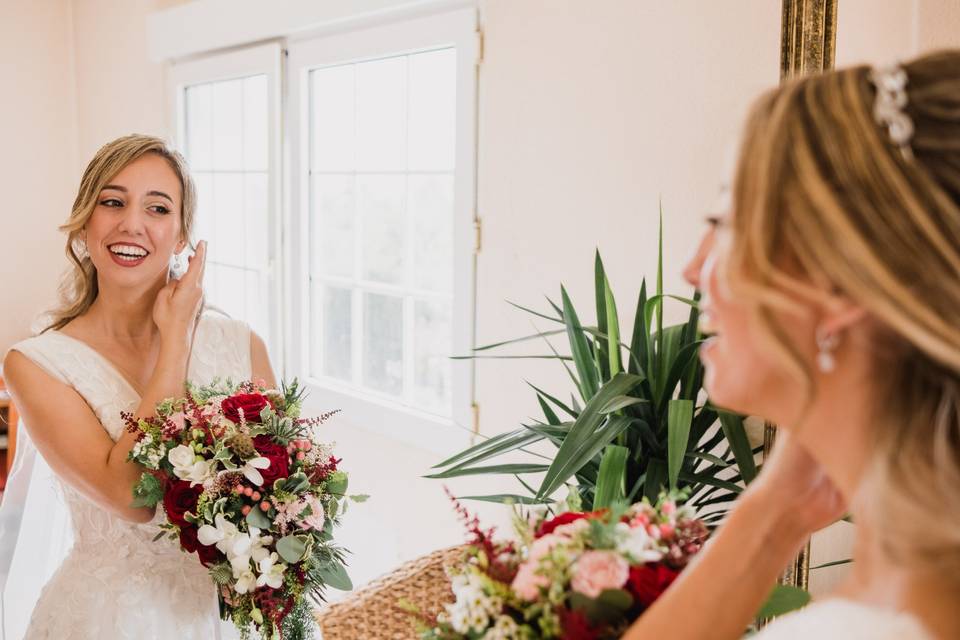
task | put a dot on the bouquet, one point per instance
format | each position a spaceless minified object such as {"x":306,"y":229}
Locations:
{"x":249,"y":490}
{"x":576,"y":576}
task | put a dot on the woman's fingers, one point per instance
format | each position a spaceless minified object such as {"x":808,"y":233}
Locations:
{"x":194,"y":274}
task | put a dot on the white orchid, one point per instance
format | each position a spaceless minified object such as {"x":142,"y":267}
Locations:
{"x":251,"y":469}
{"x":222,"y":534}
{"x":188,"y":466}
{"x":271,"y":571}
{"x":246,"y":581}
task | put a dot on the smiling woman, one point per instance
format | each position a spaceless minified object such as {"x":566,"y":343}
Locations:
{"x":126,"y":336}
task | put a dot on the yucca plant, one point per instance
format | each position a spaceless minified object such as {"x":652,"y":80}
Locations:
{"x":641,"y":424}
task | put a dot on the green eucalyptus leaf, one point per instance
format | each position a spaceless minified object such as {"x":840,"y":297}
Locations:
{"x":334,"y":575}
{"x":291,"y":548}
{"x":257,"y":518}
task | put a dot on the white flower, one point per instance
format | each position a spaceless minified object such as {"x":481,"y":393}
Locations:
{"x":271,"y":572}
{"x":181,"y":457}
{"x":222,"y":535}
{"x":250,"y":470}
{"x":246,"y":581}
{"x":638,"y":544}
{"x":187,"y":465}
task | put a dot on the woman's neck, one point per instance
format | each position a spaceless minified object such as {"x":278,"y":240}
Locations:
{"x":877,"y":580}
{"x":123,"y":314}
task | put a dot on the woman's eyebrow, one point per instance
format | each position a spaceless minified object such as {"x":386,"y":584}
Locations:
{"x":117,"y":187}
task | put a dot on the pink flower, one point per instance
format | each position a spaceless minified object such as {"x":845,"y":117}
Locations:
{"x":543,"y":546}
{"x":599,"y":570}
{"x":316,"y":519}
{"x":528,"y":582}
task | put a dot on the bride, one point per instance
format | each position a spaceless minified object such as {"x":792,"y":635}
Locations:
{"x":126,"y":336}
{"x":833,"y":289}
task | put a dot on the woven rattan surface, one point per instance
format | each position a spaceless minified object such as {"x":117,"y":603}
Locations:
{"x":372,"y":612}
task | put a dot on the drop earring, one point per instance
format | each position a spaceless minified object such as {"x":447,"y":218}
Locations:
{"x":826,"y":344}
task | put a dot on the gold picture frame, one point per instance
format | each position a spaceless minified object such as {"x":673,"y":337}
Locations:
{"x":808,"y":44}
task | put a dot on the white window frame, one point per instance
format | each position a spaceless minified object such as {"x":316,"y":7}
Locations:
{"x":455,"y":29}
{"x":263,"y":59}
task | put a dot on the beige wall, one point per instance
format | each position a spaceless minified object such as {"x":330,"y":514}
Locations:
{"x":38,"y":135}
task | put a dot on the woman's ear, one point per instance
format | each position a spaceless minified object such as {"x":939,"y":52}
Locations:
{"x":840,"y":314}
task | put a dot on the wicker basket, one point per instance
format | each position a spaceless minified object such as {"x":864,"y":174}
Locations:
{"x":372,"y":613}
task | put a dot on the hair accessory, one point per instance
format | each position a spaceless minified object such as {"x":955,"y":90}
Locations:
{"x":826,"y":343}
{"x":888,"y":109}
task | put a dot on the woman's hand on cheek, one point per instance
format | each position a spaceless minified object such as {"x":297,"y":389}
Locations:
{"x":178,"y":303}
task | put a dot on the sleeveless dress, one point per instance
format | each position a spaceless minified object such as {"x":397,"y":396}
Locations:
{"x":115,"y":582}
{"x":841,"y":619}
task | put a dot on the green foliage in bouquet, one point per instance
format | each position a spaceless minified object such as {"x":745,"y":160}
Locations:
{"x":640,"y":425}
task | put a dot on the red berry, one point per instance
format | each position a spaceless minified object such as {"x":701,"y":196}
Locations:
{"x":301,"y":455}
{"x":255,"y":495}
{"x":248,"y":492}
{"x":245,"y":510}
{"x":264,"y":506}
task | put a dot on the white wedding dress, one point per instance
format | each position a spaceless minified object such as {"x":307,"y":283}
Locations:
{"x":840,"y":619}
{"x":115,"y":582}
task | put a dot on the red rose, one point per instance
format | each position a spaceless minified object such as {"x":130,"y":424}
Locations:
{"x":278,"y":457}
{"x":179,"y":498}
{"x":648,"y":581}
{"x":251,"y":403}
{"x":566,"y":518}
{"x":188,"y":540}
{"x":575,"y":626}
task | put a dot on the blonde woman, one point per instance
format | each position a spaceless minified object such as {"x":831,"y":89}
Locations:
{"x":832,"y":288}
{"x":126,"y":336}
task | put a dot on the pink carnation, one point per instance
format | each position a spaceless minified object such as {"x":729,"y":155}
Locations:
{"x":528,"y":582}
{"x":595,"y":571}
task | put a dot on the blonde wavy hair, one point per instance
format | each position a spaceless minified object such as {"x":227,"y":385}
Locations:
{"x":79,"y":287}
{"x":824,"y":201}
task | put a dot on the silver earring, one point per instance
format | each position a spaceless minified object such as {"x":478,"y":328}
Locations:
{"x":178,"y":265}
{"x":826,"y":344}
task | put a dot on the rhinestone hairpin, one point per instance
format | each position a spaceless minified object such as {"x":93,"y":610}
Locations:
{"x":888,"y":109}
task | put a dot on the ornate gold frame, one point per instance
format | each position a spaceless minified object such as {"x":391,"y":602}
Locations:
{"x":808,"y":43}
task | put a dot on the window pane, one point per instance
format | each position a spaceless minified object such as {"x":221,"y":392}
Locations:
{"x":332,"y":348}
{"x":256,"y":216}
{"x":227,"y":247}
{"x":257,"y":303}
{"x":431,"y":346}
{"x":227,"y":125}
{"x":333,"y":114}
{"x":199,"y":125}
{"x":381,"y":115}
{"x":381,"y":205}
{"x":229,"y":292}
{"x":431,"y":206}
{"x":203,"y":223}
{"x":255,"y":123}
{"x":333,"y":224}
{"x":432,"y":111}
{"x":383,"y":343}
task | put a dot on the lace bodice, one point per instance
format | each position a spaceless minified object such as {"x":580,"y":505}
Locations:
{"x":840,"y":619}
{"x":119,"y":559}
